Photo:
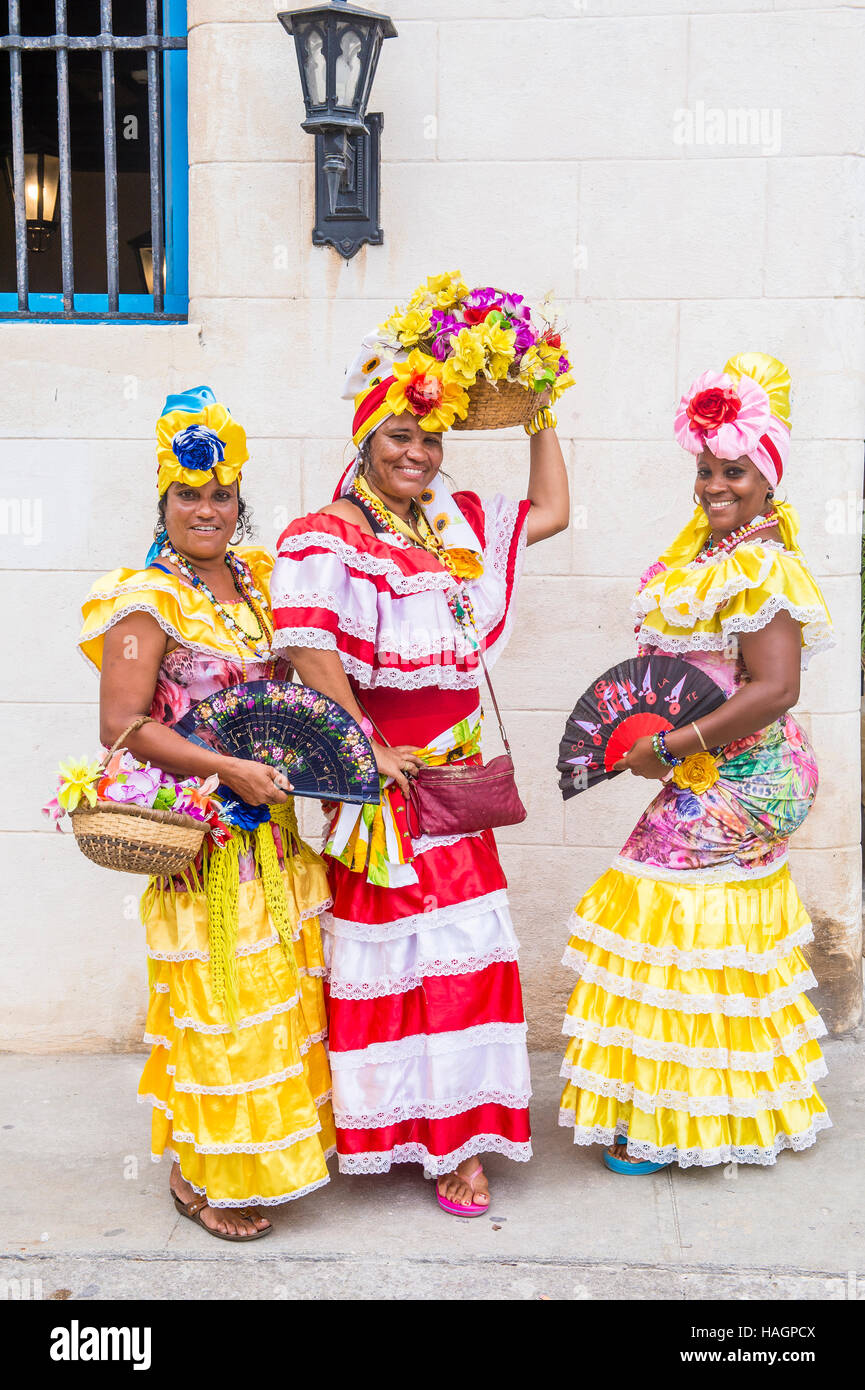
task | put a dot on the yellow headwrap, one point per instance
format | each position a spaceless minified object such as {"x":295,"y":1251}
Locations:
{"x":196,"y":438}
{"x":769,"y":373}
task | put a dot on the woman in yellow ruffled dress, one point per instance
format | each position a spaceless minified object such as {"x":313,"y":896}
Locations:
{"x":691,"y":1040}
{"x":237,"y":1074}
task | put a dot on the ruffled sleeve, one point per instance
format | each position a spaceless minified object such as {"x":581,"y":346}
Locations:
{"x":383,"y":607}
{"x":699,"y":606}
{"x":178,"y":608}
{"x":501,"y":526}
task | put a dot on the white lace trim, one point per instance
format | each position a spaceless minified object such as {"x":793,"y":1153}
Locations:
{"x":166,"y":626}
{"x":239,"y":1088}
{"x":429,"y":1045}
{"x":745,"y":1107}
{"x":433,"y":1164}
{"x":816,"y":630}
{"x":687,"y":1158}
{"x":649,"y":600}
{"x":498,"y":552}
{"x":722,"y":958}
{"x":726,"y":1059}
{"x":317,"y":637}
{"x":249,"y":1022}
{"x":466,"y":910}
{"x":353,"y":624}
{"x":382,"y":565}
{"x":255,"y":947}
{"x":436,"y":674}
{"x":156,"y":1040}
{"x":730,"y":1005}
{"x":718,"y":873}
{"x":217,"y":1150}
{"x":401,"y":984}
{"x":254,"y":1201}
{"x":426,"y":842}
{"x":432,"y":1109}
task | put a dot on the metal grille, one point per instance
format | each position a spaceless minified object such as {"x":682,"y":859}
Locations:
{"x":152,"y":43}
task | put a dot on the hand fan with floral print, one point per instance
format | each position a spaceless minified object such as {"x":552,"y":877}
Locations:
{"x":313,"y":740}
{"x":638,"y":697}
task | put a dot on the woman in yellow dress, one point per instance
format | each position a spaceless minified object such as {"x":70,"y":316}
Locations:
{"x":237,"y":1074}
{"x":691,"y":1040}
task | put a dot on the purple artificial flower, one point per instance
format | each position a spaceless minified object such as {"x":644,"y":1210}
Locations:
{"x":564,"y":366}
{"x":525,"y":336}
{"x":443,"y":326}
{"x":139,"y":789}
{"x":516,"y":308}
{"x":477,"y":304}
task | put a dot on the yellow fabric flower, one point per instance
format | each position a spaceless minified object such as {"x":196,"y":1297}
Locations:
{"x":560,"y":384}
{"x":447,"y":289}
{"x":77,"y":783}
{"x":213,"y":417}
{"x":428,"y":389}
{"x":499,"y":344}
{"x":531,"y":367}
{"x":408,"y":327}
{"x":697,"y":773}
{"x":469,"y":354}
{"x":466,"y":564}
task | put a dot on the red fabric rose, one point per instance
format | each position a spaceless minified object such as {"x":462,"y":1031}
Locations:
{"x":710,"y":409}
{"x":424,"y":393}
{"x":479,"y":313}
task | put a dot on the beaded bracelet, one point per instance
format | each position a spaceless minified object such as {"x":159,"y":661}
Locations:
{"x":659,"y":748}
{"x":544,"y":420}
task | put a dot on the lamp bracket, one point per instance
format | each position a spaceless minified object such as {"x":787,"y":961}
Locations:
{"x":353,"y":221}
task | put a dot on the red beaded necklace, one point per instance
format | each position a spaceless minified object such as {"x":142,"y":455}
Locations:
{"x":742,"y":533}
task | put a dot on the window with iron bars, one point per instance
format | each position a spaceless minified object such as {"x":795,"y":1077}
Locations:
{"x":93,"y":148}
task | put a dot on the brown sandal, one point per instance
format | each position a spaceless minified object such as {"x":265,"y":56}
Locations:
{"x":194,"y":1209}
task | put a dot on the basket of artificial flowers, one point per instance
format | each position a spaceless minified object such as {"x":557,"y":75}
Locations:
{"x":133,"y":817}
{"x":478,"y":359}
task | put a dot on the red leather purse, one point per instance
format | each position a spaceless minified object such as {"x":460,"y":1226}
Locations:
{"x":458,"y":798}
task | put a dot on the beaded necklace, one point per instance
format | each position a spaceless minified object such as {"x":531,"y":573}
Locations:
{"x":252,"y":596}
{"x":725,"y":544}
{"x":742,"y":533}
{"x":458,"y":599}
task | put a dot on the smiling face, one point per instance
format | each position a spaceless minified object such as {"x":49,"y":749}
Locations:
{"x":731,"y":491}
{"x":403,"y":458}
{"x":200,"y":521}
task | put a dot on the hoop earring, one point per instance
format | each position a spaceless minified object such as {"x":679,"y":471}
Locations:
{"x":696,"y":498}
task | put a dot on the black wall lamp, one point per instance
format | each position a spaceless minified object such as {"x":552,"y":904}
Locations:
{"x":337,"y":52}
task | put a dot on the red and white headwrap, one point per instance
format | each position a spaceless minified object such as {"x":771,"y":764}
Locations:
{"x":743,"y":411}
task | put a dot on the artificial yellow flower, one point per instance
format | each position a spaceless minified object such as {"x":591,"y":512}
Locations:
{"x":560,"y":385}
{"x":466,"y":564}
{"x":77,"y":782}
{"x":531,"y":367}
{"x":428,"y":389}
{"x":469,"y":354}
{"x":408,"y":327}
{"x":213,"y":417}
{"x":499,"y":345}
{"x":447,"y":289}
{"x":697,"y":773}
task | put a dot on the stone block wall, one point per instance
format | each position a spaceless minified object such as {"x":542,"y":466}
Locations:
{"x":686,"y":178}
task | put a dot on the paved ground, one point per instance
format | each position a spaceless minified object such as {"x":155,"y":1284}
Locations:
{"x":87,"y":1212}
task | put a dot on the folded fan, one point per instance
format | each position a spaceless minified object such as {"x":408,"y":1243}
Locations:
{"x":641,"y":696}
{"x":313,"y":740}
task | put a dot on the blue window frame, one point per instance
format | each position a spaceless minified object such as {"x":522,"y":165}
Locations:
{"x":168,"y":164}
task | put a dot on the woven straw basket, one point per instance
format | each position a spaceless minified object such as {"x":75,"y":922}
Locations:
{"x":136,"y":839}
{"x":498,"y":405}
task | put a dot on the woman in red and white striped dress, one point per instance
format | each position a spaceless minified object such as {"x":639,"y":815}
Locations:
{"x":381,"y":601}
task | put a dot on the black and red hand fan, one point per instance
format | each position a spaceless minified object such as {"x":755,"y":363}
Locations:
{"x":638,"y":697}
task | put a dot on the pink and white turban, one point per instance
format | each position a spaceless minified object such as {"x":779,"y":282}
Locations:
{"x":731,"y":414}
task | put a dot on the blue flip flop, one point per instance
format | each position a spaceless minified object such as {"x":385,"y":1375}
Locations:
{"x":621,"y":1165}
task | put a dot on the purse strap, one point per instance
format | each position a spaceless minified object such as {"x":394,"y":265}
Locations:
{"x":386,"y":744}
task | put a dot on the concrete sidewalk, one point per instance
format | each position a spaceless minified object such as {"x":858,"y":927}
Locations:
{"x":87,"y":1213}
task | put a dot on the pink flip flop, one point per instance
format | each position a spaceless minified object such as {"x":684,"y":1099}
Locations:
{"x":453,"y":1208}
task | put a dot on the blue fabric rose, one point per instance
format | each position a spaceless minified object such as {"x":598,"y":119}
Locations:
{"x":198,"y":448}
{"x":240,"y":813}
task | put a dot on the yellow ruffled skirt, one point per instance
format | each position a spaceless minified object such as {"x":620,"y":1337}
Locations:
{"x":689,"y":1030}
{"x":246,"y":1113}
